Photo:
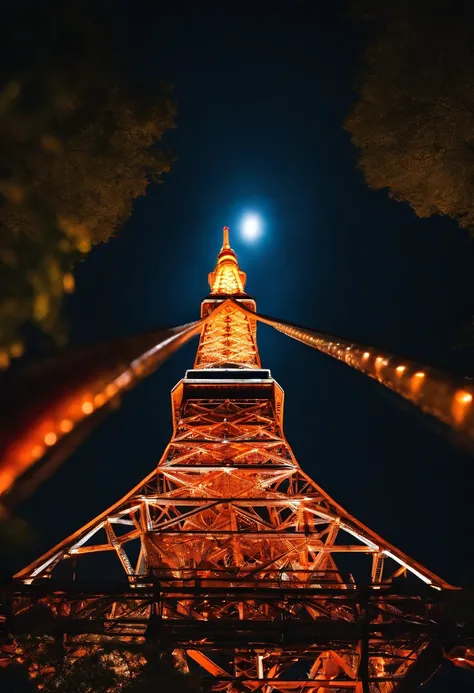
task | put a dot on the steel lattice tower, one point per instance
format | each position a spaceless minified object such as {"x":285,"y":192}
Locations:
{"x":234,"y":558}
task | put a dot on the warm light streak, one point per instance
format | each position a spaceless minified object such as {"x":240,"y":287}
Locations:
{"x":88,"y":535}
{"x":323,"y":516}
{"x":408,"y":567}
{"x":73,"y":406}
{"x":360,"y":537}
{"x":44,"y":565}
{"x":434,"y":392}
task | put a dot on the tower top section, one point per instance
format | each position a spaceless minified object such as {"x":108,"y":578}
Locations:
{"x":227,"y":278}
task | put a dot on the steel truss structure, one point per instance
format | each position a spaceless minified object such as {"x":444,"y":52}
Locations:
{"x":236,"y":557}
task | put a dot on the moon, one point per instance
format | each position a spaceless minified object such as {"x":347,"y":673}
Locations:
{"x":251,"y":227}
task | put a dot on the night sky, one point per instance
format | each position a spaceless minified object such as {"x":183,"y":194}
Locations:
{"x":262,"y":96}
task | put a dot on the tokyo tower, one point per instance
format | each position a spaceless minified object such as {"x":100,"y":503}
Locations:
{"x":232,"y":557}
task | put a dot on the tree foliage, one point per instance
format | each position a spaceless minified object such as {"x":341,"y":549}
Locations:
{"x":42,"y":670}
{"x":116,"y":667}
{"x":414,"y":119}
{"x":80,"y":141}
{"x":160,"y":673}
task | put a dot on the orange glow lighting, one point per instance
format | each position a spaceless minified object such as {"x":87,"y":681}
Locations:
{"x":463,"y":397}
{"x":227,"y":278}
{"x":50,"y":438}
{"x":87,"y":407}
{"x":66,"y":425}
{"x":229,"y":512}
{"x":111,"y":390}
{"x":37,"y":451}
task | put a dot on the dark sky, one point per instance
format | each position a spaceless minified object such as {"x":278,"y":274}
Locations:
{"x":263,"y":89}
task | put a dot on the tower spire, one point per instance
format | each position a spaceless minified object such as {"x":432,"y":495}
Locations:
{"x":226,"y":243}
{"x":227,"y":278}
{"x":229,"y":338}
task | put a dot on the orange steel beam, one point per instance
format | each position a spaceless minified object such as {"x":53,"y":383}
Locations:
{"x":207,"y":664}
{"x":45,"y":406}
{"x":447,"y":397}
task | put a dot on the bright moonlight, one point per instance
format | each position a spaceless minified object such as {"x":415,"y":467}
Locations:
{"x":251,"y":227}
